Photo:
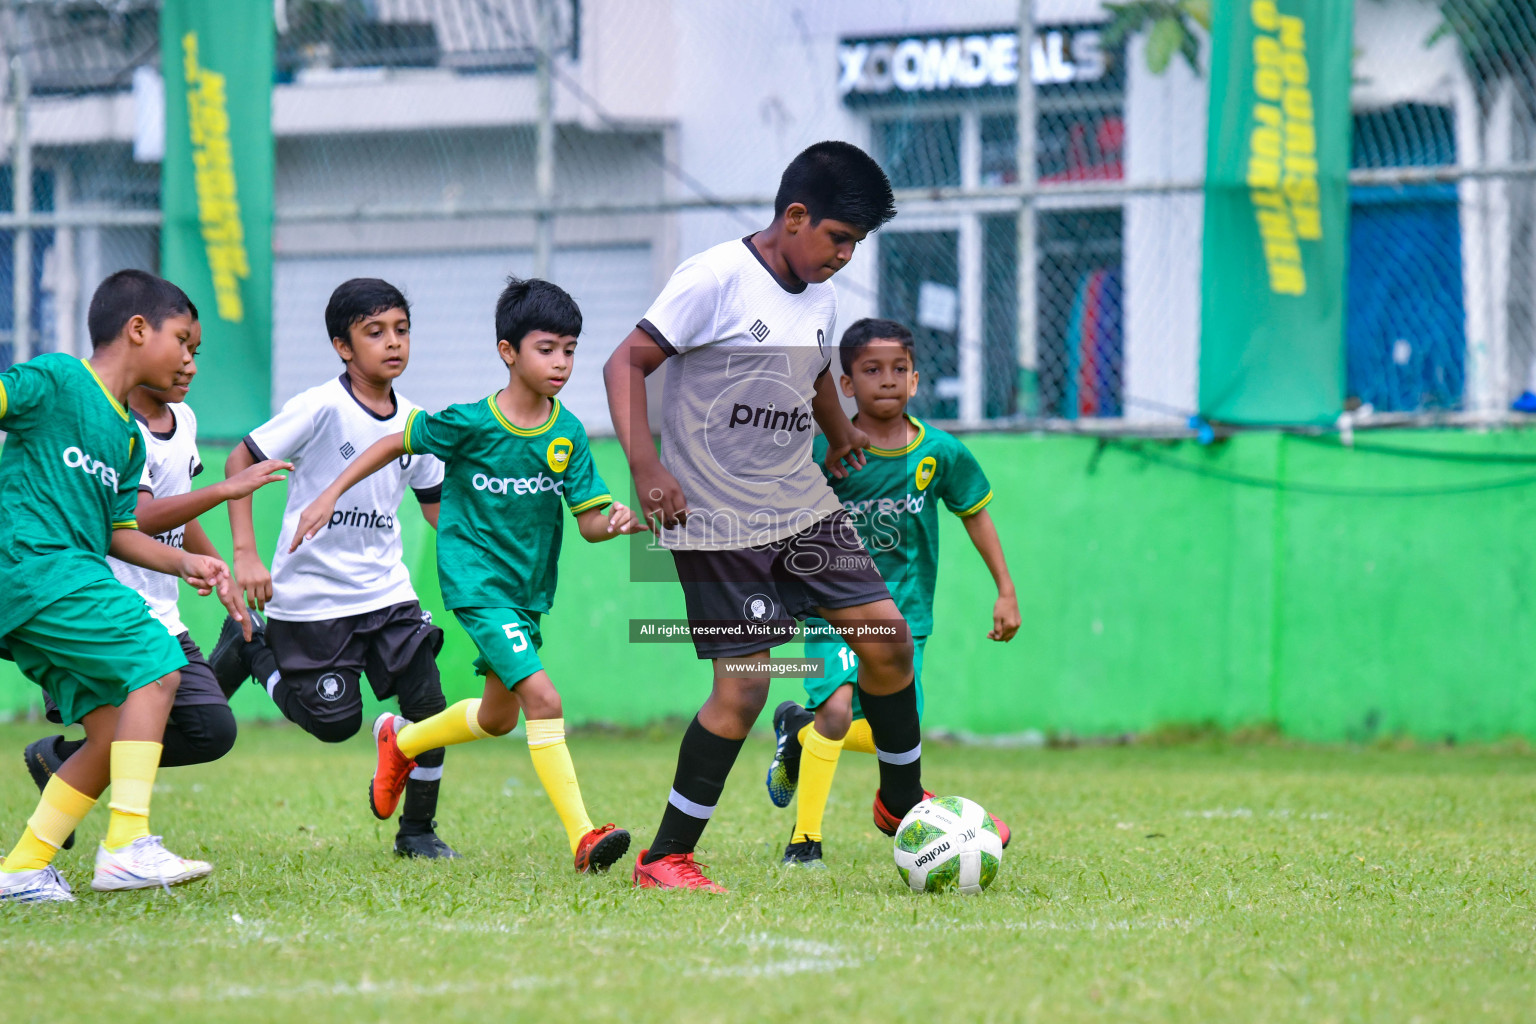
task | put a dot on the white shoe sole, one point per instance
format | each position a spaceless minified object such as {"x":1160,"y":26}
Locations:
{"x":100,"y":884}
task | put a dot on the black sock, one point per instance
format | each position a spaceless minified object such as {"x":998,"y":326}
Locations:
{"x":898,"y":736}
{"x":703,"y":762}
{"x":66,"y":748}
{"x":419,"y":807}
{"x":263,"y":662}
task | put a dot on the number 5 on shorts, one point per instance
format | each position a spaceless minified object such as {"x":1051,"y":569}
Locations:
{"x":514,"y":631}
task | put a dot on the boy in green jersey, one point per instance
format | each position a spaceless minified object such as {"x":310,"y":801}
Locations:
{"x":911,"y":466}
{"x":511,"y":460}
{"x":69,"y":482}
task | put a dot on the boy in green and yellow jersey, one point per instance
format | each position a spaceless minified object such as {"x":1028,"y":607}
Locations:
{"x":894,"y":500}
{"x":512,"y":459}
{"x":69,"y":483}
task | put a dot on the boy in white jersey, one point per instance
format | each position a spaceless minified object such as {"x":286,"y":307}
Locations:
{"x":201,"y":728}
{"x":757,"y":535}
{"x":343,"y":605}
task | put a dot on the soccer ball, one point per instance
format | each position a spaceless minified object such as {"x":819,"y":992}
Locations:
{"x":948,"y":842}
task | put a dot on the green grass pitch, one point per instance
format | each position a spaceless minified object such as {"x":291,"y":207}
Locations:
{"x":1200,"y":883}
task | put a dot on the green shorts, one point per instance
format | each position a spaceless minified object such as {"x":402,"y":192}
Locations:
{"x":508,"y":640}
{"x":842,"y":666}
{"x":93,"y":647}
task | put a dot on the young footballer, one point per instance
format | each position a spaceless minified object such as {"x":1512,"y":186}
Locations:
{"x":201,"y":728}
{"x":512,"y":459}
{"x":344,"y":605}
{"x":757,"y":535}
{"x":69,"y":481}
{"x":894,"y":500}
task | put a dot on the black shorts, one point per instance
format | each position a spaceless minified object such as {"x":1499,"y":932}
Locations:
{"x":323,"y":661}
{"x":749,"y":598}
{"x":198,"y":686}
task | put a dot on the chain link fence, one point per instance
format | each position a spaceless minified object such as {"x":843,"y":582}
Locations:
{"x":412,"y":144}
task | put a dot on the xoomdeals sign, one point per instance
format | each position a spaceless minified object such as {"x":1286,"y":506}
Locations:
{"x":933,"y":66}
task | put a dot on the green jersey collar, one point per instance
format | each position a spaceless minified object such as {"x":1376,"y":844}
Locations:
{"x":115,"y":403}
{"x":907,"y":449}
{"x":554,"y":411}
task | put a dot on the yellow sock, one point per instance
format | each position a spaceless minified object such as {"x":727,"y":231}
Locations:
{"x":859,"y":737}
{"x":134,"y":764}
{"x":552,"y":762}
{"x":818,"y":763}
{"x":459,"y":724}
{"x":58,"y":812}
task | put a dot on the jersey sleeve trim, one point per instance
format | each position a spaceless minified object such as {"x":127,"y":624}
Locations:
{"x":410,"y":421}
{"x":126,"y":524}
{"x":146,"y":489}
{"x":976,"y":507}
{"x":254,"y":448}
{"x":656,"y":336}
{"x":428,"y":495}
{"x":4,"y":402}
{"x":597,"y":502}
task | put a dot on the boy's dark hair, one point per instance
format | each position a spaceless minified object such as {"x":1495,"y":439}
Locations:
{"x":861,"y":332}
{"x":130,"y":293}
{"x":837,"y":180}
{"x":534,"y":305}
{"x":359,"y":299}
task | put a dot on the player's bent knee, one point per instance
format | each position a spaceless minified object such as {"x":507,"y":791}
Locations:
{"x":885,"y":667}
{"x":834,"y":720}
{"x":215,"y":731}
{"x":338,"y":731}
{"x":497,"y":717}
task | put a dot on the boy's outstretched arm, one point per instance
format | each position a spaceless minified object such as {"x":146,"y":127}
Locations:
{"x":157,"y":515}
{"x":251,"y":574}
{"x":205,"y":573}
{"x":1005,"y":612}
{"x":661,"y":497}
{"x":845,"y":442}
{"x":596,"y":525}
{"x":379,"y":454}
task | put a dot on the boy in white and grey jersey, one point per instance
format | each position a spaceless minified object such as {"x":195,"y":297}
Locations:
{"x":746,"y":327}
{"x":201,"y":728}
{"x":342,"y":605}
{"x":744,"y":354}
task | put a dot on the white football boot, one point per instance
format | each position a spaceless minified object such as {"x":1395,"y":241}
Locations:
{"x":144,"y":864}
{"x":41,"y":885}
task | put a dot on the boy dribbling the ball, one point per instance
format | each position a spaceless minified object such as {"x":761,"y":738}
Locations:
{"x":757,"y":536}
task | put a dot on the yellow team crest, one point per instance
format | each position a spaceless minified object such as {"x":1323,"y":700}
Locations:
{"x":925,"y":471}
{"x":558,"y":455}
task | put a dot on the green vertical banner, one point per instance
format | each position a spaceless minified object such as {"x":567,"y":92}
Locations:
{"x":216,"y":194}
{"x":1276,"y":212}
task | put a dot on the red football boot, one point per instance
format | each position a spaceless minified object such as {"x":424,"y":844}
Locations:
{"x":600,"y":847}
{"x":393,"y":768}
{"x":674,"y":871}
{"x":888,"y":823}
